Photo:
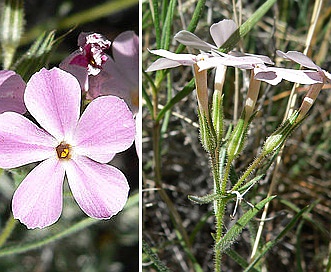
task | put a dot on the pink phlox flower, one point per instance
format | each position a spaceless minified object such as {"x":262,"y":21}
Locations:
{"x":66,"y":145}
{"x":305,"y":61}
{"x":209,"y":57}
{"x":274,"y":75}
{"x":219,"y":32}
{"x":12,"y":88}
{"x":88,"y":59}
{"x":120,"y":74}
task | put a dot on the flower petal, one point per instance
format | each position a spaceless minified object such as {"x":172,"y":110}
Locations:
{"x":183,"y":59}
{"x":99,"y":189}
{"x":222,"y":30}
{"x":161,"y":64}
{"x":106,"y":127}
{"x":126,"y":56}
{"x":274,"y":75}
{"x":298,"y":57}
{"x":70,"y":65}
{"x":12,"y":89}
{"x":245,"y":62}
{"x":53,"y":99}
{"x":37,"y":202}
{"x":138,"y":133}
{"x":191,"y":40}
{"x":120,"y":76}
{"x":22,"y":142}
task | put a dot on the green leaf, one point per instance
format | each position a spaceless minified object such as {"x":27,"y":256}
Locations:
{"x":203,"y":199}
{"x":156,"y":21}
{"x":178,"y":97}
{"x":199,"y":10}
{"x":316,"y":224}
{"x":237,"y":228}
{"x":36,"y":57}
{"x":161,"y":267}
{"x":238,"y":259}
{"x":167,"y":27}
{"x":246,"y":27}
{"x":272,"y":243}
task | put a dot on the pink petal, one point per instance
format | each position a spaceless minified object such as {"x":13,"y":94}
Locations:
{"x":161,"y":64}
{"x":53,"y":99}
{"x":239,"y":62}
{"x":12,"y":89}
{"x":106,"y":127}
{"x":70,"y":65}
{"x":222,"y":30}
{"x":99,"y":189}
{"x":268,"y":76}
{"x":183,"y":59}
{"x":298,"y":57}
{"x":22,"y":142}
{"x":126,"y":55}
{"x":191,"y":40}
{"x":138,"y":134}
{"x":276,"y":74}
{"x":111,"y":81}
{"x":120,"y":76}
{"x":37,"y":202}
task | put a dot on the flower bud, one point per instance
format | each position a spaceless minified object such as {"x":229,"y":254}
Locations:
{"x":11,"y":28}
{"x":277,"y":139}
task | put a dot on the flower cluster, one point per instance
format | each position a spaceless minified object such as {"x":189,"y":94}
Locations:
{"x":209,"y":57}
{"x":65,"y":143}
{"x":261,"y":66}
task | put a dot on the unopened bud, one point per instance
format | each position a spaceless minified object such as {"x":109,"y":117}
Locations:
{"x":11,"y":29}
{"x":277,"y":139}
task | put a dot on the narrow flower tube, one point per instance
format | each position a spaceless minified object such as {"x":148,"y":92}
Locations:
{"x":202,"y":89}
{"x":206,"y":130}
{"x":252,"y":95}
{"x":309,"y":100}
{"x":217,"y":106}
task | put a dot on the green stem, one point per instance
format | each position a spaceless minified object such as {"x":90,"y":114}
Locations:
{"x":219,"y":206}
{"x":10,"y":226}
{"x":248,"y":171}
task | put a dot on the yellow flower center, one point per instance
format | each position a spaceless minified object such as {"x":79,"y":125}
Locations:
{"x":63,"y":150}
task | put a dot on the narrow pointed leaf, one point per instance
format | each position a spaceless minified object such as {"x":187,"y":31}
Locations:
{"x":270,"y":244}
{"x":154,"y":258}
{"x":238,"y":259}
{"x":203,"y":199}
{"x":36,"y":57}
{"x":237,"y":228}
{"x":247,"y":26}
